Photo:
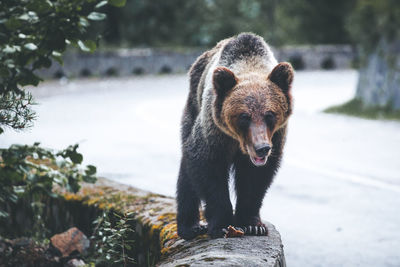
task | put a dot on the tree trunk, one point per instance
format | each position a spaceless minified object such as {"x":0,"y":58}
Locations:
{"x":379,"y":76}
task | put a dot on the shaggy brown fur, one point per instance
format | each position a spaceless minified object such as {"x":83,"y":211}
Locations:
{"x":234,"y":120}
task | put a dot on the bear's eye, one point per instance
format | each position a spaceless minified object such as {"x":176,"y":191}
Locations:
{"x":269,"y":118}
{"x":244,"y":120}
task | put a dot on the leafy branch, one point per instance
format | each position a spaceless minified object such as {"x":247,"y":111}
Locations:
{"x":33,"y":34}
{"x":112,"y":239}
{"x":30,"y":172}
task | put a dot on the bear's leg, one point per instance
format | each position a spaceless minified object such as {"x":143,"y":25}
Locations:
{"x":218,"y":210}
{"x":188,"y":207}
{"x":251,"y":184}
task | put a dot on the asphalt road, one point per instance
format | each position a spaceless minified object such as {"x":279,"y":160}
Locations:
{"x":335,"y":199}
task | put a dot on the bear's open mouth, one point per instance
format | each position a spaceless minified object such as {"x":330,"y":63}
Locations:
{"x":258,"y":161}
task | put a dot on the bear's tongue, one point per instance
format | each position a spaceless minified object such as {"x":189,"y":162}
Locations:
{"x":258,"y":161}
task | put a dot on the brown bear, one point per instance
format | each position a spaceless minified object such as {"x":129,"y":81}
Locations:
{"x":234,"y":125}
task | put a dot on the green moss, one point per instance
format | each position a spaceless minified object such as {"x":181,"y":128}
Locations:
{"x":355,"y":107}
{"x":159,"y":229}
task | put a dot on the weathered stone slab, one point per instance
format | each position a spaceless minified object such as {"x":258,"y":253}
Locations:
{"x":243,"y":251}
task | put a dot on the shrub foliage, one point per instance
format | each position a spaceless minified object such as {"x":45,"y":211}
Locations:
{"x":32,"y":34}
{"x":31,"y":172}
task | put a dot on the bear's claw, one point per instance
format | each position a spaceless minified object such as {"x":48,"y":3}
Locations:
{"x":255,"y":230}
{"x":234,"y":231}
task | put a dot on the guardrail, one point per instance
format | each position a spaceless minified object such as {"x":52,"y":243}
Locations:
{"x":126,"y":62}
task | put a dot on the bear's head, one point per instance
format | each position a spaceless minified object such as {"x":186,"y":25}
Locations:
{"x":252,"y":107}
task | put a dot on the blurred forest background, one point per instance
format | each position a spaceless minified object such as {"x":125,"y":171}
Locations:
{"x":203,"y":23}
{"x":372,"y":27}
{"x":195,"y":23}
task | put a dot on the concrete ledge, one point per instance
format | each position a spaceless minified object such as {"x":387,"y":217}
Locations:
{"x":125,"y":62}
{"x":155,"y":228}
{"x":245,"y":251}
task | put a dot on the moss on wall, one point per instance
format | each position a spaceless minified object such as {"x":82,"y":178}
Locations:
{"x":154,"y":215}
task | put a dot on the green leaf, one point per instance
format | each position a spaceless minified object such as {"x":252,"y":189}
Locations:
{"x":76,"y":157}
{"x":83,"y":47}
{"x":102,"y":3}
{"x":84,"y":22}
{"x":42,"y":62}
{"x":9,"y":49}
{"x":90,"y":170}
{"x":87,"y":46}
{"x":19,"y":189}
{"x":96,"y":16}
{"x":13,"y":198}
{"x":30,"y":46}
{"x":30,"y":16}
{"x":91,"y":44}
{"x":117,"y":3}
{"x":89,"y":179}
{"x":3,"y":214}
{"x":49,"y":3}
{"x":57,"y":57}
{"x":24,"y":17}
{"x":56,"y":54}
{"x":9,"y":63}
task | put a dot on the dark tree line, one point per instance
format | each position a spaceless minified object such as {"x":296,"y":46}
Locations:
{"x":204,"y":22}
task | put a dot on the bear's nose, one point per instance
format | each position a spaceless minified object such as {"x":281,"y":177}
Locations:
{"x":262,"y":150}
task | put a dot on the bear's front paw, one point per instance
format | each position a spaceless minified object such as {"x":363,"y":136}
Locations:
{"x":216,"y":232}
{"x":191,"y":232}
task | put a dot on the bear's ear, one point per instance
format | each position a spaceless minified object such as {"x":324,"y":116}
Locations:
{"x":223,"y":80}
{"x":282,"y":75}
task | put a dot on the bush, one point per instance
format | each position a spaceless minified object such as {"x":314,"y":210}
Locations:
{"x":112,"y":240}
{"x":33,"y":33}
{"x":31,"y":172}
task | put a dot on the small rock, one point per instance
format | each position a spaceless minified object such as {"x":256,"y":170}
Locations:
{"x":70,"y":241}
{"x":75,"y":263}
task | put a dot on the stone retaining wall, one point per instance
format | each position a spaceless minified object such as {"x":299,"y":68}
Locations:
{"x":155,"y":227}
{"x":155,"y":239}
{"x":125,"y":62}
